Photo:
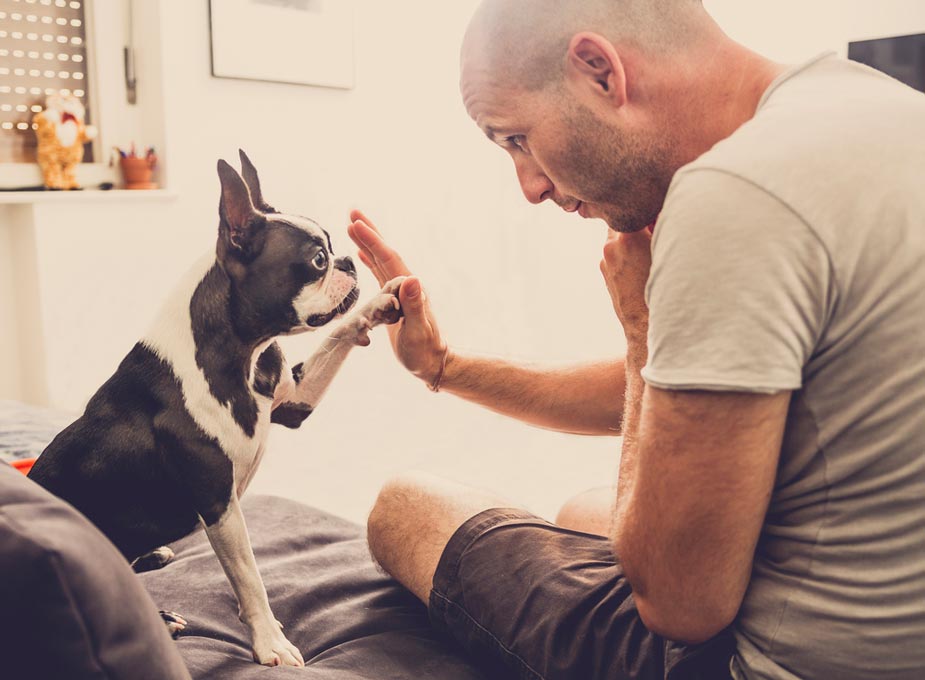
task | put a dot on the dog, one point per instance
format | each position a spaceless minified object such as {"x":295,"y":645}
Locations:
{"x":171,"y":441}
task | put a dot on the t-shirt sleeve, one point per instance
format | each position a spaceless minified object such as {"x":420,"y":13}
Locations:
{"x":739,"y":291}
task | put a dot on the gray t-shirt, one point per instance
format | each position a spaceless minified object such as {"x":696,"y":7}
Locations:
{"x":791,"y":256}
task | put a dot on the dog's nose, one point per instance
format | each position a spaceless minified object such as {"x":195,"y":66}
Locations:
{"x":345,"y":264}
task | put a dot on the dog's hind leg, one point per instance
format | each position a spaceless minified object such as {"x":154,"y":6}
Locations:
{"x":156,"y":559}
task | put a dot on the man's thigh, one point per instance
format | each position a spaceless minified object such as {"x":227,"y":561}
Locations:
{"x":518,"y":592}
{"x":413,"y":519}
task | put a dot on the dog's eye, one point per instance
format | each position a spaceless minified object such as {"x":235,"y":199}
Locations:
{"x":320,"y":261}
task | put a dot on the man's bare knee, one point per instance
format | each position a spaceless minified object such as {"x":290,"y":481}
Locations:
{"x":396,"y":505}
{"x":590,"y":511}
{"x":413,"y":519}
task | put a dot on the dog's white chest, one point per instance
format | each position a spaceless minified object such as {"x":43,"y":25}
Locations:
{"x":171,"y":338}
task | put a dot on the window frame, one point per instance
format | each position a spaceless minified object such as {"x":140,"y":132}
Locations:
{"x":89,"y":174}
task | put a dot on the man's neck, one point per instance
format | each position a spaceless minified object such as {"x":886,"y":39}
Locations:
{"x":726,"y":86}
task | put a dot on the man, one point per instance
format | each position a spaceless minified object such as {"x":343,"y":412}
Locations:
{"x":772,"y":479}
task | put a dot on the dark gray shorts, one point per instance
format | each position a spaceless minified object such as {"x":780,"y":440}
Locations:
{"x":532,"y":600}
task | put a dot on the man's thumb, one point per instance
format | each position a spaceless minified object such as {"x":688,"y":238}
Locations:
{"x":412,"y":296}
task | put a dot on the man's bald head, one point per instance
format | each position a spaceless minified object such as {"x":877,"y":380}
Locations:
{"x":524,"y":42}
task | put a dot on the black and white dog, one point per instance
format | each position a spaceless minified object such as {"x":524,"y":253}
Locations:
{"x":172,"y":439}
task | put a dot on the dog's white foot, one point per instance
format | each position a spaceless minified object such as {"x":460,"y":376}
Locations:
{"x":273,"y":649}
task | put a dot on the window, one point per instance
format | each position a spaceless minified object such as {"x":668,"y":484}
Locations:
{"x":42,"y":52}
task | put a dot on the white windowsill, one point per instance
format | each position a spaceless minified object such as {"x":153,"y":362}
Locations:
{"x":85,"y":196}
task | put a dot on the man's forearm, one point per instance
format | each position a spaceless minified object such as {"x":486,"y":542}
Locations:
{"x":583,"y":399}
{"x":636,"y":358}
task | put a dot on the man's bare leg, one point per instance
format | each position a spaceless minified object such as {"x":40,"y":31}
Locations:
{"x":414,"y":518}
{"x":590,"y":511}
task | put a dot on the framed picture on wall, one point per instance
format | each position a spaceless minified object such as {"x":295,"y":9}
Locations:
{"x":308,"y":42}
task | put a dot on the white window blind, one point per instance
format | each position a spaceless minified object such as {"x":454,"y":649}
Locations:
{"x":42,"y":52}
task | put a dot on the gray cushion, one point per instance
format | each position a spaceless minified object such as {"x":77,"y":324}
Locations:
{"x":71,"y":606}
{"x":347,"y":618}
{"x":25,"y":430}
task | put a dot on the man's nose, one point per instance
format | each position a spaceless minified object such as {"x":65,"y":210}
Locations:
{"x":533,"y":181}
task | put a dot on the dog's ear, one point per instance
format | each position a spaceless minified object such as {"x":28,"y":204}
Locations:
{"x":253,"y":183}
{"x":241,"y":225}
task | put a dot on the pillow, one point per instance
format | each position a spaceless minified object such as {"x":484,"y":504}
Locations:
{"x":71,"y":605}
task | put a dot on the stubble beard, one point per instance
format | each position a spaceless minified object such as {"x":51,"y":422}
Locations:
{"x":623,"y":177}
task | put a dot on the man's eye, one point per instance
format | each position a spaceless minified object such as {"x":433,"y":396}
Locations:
{"x":519,"y":142}
{"x":320,"y":261}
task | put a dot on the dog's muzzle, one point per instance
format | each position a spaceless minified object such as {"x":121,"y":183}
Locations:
{"x":345,"y":265}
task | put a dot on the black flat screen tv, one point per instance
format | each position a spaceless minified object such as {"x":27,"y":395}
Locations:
{"x":902,"y":57}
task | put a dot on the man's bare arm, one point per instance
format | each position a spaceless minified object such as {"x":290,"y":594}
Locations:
{"x":690,"y":515}
{"x":585,"y":399}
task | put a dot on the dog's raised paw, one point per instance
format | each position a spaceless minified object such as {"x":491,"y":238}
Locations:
{"x":175,"y":623}
{"x":387,"y":312}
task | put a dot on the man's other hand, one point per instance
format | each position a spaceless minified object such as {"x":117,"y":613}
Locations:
{"x":625,"y":266}
{"x":416,"y":338}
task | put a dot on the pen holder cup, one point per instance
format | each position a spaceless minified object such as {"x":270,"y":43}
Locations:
{"x":136,"y":172}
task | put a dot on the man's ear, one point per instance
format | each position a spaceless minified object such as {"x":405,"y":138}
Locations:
{"x":593,"y":61}
{"x":249,"y":173}
{"x":240,"y":224}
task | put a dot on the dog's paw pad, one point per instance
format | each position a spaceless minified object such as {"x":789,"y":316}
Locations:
{"x":388,"y":311}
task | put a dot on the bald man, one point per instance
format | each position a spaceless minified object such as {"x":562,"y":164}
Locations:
{"x":769,"y":521}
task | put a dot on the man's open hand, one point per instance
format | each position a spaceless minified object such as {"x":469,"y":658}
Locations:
{"x":625,"y":266}
{"x":416,"y":338}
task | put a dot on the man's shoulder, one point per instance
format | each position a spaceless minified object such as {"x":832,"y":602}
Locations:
{"x":811,"y":145}
{"x":822,"y":114}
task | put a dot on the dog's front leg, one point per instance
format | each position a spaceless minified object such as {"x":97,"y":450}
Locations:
{"x":313,"y":377}
{"x":232,"y":545}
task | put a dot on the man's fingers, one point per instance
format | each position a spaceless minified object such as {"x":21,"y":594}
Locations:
{"x":611,"y":253}
{"x":385,"y":258}
{"x":359,"y":216}
{"x":629,"y":245}
{"x":365,"y":259}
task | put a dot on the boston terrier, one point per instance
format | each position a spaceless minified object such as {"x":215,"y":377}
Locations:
{"x":174,"y":437}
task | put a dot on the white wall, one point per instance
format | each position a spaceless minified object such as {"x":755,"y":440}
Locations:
{"x":793,"y":30}
{"x":401,"y":147}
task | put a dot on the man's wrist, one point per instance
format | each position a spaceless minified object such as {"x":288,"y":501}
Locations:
{"x":435,"y":382}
